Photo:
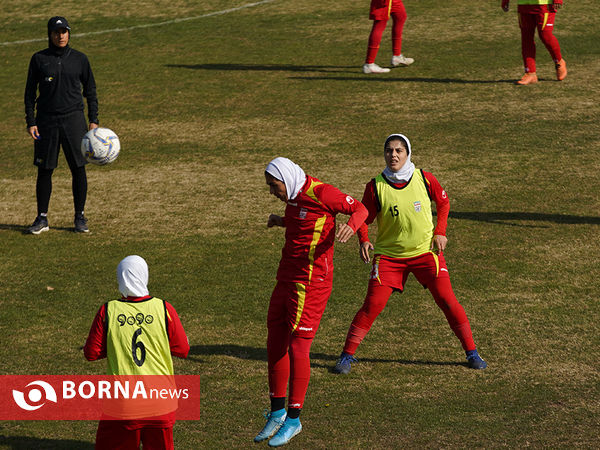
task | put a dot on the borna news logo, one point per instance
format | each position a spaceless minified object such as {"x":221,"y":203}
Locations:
{"x":35,"y":396}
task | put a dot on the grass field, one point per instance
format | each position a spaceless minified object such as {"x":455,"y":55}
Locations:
{"x":202,"y":105}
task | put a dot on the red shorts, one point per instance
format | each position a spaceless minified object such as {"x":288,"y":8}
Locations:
{"x":393,"y":272}
{"x":298,"y":307}
{"x":382,"y":10}
{"x":116,"y":435}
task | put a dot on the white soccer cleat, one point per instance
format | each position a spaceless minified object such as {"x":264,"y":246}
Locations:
{"x":401,"y":60}
{"x":374,"y":68}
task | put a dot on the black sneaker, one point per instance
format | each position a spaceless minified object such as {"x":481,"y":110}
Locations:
{"x":39,"y":224}
{"x":81,"y":224}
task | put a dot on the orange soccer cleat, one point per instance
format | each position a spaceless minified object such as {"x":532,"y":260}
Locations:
{"x":528,"y":78}
{"x":561,"y":70}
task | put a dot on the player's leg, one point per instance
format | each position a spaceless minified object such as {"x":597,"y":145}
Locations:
{"x":431,"y":271}
{"x":299,"y":378}
{"x":375,"y":301}
{"x":309,"y":307}
{"x":545,"y":27}
{"x":157,"y":438}
{"x":278,"y":336}
{"x":72,"y":133}
{"x":46,"y":159}
{"x":527,"y":23}
{"x":399,"y":18}
{"x":373,"y":48}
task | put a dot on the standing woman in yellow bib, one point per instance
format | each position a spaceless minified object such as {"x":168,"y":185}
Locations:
{"x":538,"y":14}
{"x":407,"y":242}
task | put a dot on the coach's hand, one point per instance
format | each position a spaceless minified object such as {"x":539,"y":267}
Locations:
{"x":505,"y":5}
{"x":439,"y":243}
{"x":274,"y":220}
{"x":365,"y":248}
{"x":33,"y":132}
{"x":344,"y":232}
{"x":92,"y":126}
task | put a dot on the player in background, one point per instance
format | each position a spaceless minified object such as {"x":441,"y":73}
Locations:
{"x":111,"y":337}
{"x":407,"y":242}
{"x":381,"y":11}
{"x":304,"y":281}
{"x":60,"y":72}
{"x":538,"y":14}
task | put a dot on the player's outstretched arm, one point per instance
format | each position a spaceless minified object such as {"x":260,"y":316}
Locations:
{"x":275,"y":220}
{"x":365,"y":248}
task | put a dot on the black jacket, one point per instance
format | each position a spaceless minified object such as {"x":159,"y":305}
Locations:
{"x":60,"y":76}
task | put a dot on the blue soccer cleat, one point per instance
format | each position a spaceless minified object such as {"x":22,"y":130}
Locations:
{"x":343,"y":364}
{"x":275,"y":420}
{"x":290,"y":428}
{"x":474,"y":361}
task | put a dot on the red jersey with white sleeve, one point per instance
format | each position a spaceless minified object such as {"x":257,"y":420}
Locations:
{"x":309,"y":221}
{"x":436,"y":193}
{"x":95,"y":346}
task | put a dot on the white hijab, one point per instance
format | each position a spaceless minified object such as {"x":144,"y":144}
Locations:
{"x":290,"y":173}
{"x":406,"y":172}
{"x":132,"y":274}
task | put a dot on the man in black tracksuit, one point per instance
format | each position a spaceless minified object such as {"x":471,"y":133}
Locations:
{"x":60,"y":73}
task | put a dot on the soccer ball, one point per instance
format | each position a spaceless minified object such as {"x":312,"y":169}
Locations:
{"x":100,"y":146}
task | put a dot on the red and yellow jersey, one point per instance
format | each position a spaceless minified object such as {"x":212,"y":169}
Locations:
{"x":537,"y":6}
{"x":309,"y":223}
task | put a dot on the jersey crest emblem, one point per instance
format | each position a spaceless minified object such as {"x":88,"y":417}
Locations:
{"x":417,"y":206}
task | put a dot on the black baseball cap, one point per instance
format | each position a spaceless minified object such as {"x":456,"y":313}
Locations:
{"x":57,"y":23}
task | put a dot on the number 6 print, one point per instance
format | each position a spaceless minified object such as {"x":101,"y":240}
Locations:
{"x":135,"y":345}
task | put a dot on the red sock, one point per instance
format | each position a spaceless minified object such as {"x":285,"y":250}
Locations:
{"x":299,"y":370}
{"x":375,"y":300}
{"x":399,"y":19}
{"x":279,"y":362}
{"x":441,"y":289}
{"x":375,"y":40}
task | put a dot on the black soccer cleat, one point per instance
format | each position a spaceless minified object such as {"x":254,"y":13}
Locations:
{"x":39,"y":225}
{"x":81,"y":224}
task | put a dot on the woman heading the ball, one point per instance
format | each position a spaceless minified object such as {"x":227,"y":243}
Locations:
{"x":304,"y":281}
{"x":407,"y":242}
{"x":538,"y":14}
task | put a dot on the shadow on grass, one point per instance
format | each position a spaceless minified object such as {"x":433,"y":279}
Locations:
{"x":502,"y":218}
{"x":328,"y":69}
{"x":266,"y":67}
{"x":322,"y":360}
{"x":28,"y":443}
{"x":23,"y":228}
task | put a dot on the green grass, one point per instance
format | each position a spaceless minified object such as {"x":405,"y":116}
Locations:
{"x":202,"y":106}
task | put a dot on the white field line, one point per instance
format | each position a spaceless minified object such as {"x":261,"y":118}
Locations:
{"x":148,"y":25}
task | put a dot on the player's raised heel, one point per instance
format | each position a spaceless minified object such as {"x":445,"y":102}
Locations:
{"x":401,"y":60}
{"x":343,"y":364}
{"x":290,"y":428}
{"x":475,"y":361}
{"x":275,"y":420}
{"x":561,"y":70}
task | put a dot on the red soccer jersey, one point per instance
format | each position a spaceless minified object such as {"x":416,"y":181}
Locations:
{"x":309,"y":223}
{"x":436,"y":192}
